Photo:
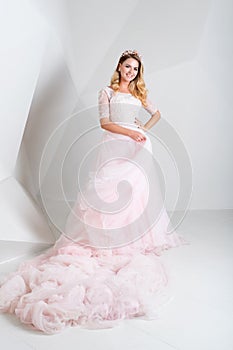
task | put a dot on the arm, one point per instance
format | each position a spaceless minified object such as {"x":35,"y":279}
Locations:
{"x":155,"y":116}
{"x":106,"y":124}
{"x":153,"y":120}
{"x":113,"y":127}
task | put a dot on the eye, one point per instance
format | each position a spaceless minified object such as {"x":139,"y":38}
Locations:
{"x":136,"y":69}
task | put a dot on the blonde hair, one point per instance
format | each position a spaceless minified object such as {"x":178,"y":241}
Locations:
{"x":137,"y":86}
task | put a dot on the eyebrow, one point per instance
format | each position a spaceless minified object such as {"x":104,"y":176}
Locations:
{"x":132,"y":66}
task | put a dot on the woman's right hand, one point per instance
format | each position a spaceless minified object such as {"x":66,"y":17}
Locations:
{"x":137,"y":136}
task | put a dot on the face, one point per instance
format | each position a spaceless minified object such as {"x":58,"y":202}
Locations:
{"x":128,"y":69}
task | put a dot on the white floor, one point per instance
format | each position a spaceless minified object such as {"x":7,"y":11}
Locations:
{"x":200,"y":317}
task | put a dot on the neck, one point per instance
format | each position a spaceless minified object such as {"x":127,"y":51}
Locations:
{"x":124,"y":85}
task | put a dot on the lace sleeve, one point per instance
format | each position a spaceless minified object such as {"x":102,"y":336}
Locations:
{"x":151,"y":108}
{"x":103,"y":105}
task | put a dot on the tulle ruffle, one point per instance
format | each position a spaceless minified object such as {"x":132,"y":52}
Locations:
{"x":74,"y":285}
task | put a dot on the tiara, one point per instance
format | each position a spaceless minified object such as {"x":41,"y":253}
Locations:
{"x":131,"y":52}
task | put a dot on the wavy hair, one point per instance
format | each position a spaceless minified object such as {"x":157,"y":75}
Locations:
{"x":137,"y":86}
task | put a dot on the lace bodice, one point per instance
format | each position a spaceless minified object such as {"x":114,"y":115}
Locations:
{"x":121,"y":107}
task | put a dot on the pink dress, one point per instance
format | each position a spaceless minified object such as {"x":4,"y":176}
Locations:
{"x":106,"y":265}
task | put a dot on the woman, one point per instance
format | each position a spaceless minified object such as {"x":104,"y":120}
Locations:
{"x":105,"y":266}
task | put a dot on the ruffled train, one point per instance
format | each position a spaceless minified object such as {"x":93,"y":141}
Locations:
{"x":75,"y":285}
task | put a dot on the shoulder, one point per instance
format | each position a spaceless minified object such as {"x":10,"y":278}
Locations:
{"x":107,"y":90}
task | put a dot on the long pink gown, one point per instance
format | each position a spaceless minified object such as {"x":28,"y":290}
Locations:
{"x":106,"y":265}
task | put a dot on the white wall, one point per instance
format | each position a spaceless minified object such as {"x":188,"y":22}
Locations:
{"x":24,"y":35}
{"x":196,"y":98}
{"x":23,"y":38}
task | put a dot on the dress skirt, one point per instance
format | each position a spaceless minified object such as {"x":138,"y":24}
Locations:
{"x":106,"y":265}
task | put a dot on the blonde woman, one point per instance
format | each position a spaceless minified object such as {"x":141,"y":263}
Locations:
{"x":105,"y":267}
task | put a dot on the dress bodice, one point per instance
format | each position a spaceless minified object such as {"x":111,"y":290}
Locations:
{"x":120,"y":106}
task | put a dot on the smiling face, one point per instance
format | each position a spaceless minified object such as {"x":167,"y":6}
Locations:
{"x":128,"y":69}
